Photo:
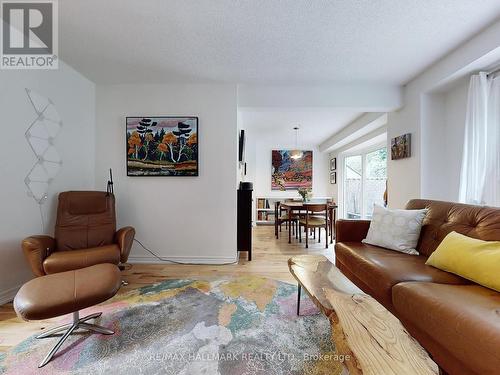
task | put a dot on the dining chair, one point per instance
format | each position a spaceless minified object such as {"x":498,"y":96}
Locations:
{"x":332,"y":218}
{"x":282,"y":216}
{"x":321,"y":215}
{"x":316,"y":216}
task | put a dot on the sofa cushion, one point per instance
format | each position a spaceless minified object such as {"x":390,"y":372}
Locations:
{"x":470,"y":258}
{"x":397,"y":230}
{"x":464,"y":319}
{"x":377,"y":270}
{"x":61,"y":261}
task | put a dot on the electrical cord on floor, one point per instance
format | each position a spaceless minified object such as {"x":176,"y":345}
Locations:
{"x":174,"y":261}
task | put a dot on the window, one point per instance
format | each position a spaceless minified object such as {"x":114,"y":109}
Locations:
{"x":353,"y":196}
{"x":364,"y":182}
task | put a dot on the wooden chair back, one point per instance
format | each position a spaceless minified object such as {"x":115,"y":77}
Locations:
{"x":315,"y":208}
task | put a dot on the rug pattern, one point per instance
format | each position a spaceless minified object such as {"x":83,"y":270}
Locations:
{"x":245,"y":325}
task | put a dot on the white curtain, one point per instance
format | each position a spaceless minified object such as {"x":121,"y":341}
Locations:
{"x":480,"y":175}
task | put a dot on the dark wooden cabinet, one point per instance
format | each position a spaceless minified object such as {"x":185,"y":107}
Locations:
{"x":244,"y":235}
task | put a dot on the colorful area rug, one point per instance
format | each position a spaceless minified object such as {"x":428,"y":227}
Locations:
{"x":234,"y":326}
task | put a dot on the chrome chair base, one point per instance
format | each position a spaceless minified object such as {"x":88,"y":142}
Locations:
{"x":78,"y":323}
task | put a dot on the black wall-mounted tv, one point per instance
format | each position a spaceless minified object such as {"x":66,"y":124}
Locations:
{"x":241,"y":146}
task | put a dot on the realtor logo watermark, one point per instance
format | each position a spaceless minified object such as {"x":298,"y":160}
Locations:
{"x":29,"y":34}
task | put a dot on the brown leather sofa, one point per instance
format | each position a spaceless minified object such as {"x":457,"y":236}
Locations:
{"x":454,"y":319}
{"x":85,"y":235}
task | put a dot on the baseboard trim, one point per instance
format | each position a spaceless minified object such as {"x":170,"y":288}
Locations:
{"x":191,"y":260}
{"x":8,"y":295}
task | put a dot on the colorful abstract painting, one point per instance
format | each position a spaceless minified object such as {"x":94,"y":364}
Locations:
{"x":291,"y":174}
{"x":162,"y":146}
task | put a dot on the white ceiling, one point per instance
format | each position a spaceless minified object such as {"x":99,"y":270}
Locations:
{"x":264,"y":41}
{"x":316,"y":125}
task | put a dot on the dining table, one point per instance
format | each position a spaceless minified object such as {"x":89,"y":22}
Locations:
{"x":299,"y":207}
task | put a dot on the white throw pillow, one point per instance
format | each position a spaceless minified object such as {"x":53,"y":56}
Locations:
{"x":395,"y":229}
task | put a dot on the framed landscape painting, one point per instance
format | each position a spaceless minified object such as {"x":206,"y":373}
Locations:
{"x":291,"y":174}
{"x":162,"y":146}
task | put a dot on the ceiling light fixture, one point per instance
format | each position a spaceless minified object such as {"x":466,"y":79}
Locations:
{"x":296,"y":153}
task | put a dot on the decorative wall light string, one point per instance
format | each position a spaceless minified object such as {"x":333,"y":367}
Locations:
{"x":40,"y":136}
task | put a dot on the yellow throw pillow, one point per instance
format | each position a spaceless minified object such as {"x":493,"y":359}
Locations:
{"x":473,"y":259}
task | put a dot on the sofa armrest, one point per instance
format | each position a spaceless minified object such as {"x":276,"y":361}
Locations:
{"x":36,"y":249}
{"x":351,"y":230}
{"x":124,"y":237}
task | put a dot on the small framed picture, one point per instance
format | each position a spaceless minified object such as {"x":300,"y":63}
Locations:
{"x":401,"y":147}
{"x":333,"y":178}
{"x":333,"y":164}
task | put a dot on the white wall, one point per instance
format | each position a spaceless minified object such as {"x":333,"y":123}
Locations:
{"x":361,"y":97}
{"x":406,"y":177}
{"x":455,"y":111}
{"x":433,"y":147}
{"x":181,"y":218}
{"x":442,"y":141}
{"x":74,"y":98}
{"x":403,"y":176}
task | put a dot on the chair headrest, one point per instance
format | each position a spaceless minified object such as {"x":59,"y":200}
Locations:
{"x":86,"y":202}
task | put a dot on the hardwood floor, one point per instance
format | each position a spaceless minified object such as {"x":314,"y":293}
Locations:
{"x":270,"y":258}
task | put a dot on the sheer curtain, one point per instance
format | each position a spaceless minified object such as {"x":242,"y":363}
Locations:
{"x":480,"y":175}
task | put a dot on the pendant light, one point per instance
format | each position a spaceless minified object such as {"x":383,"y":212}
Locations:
{"x":296,"y":153}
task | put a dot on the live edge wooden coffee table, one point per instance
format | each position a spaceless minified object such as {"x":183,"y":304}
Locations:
{"x":364,"y":331}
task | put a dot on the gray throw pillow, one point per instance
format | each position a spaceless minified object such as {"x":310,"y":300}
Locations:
{"x":395,"y":229}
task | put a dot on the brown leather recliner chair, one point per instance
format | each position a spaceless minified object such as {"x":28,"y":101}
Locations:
{"x":85,"y":235}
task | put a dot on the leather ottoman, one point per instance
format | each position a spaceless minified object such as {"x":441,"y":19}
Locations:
{"x":67,"y":292}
